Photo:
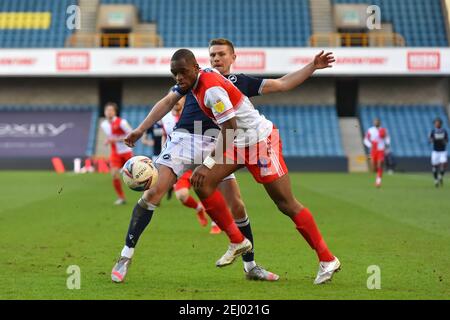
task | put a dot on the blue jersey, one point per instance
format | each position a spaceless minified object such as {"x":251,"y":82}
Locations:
{"x":249,"y":86}
{"x":439,"y":137}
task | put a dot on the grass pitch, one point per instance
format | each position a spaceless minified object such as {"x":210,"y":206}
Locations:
{"x":49,"y":222}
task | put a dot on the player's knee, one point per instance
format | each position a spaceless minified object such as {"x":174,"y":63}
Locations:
{"x":289,"y":207}
{"x":182,"y":194}
{"x":237,"y":208}
{"x":115,"y":174}
{"x":155,"y":194}
{"x":204,"y":191}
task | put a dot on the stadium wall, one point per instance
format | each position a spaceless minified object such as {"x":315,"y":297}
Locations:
{"x":48,"y":91}
{"x":401,"y":91}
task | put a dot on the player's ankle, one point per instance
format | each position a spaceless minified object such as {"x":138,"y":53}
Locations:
{"x":249,"y":265}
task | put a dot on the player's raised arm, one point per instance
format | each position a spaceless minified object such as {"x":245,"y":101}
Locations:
{"x":288,"y":82}
{"x":161,"y":108}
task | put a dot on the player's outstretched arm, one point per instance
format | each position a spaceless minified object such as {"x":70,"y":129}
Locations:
{"x":288,"y":82}
{"x":161,"y":108}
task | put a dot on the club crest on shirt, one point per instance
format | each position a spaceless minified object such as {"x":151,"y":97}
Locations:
{"x":232,"y":78}
{"x":219,"y":106}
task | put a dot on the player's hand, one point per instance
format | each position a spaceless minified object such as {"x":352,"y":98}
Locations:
{"x":198,"y":176}
{"x":324,"y":60}
{"x":132,"y":137}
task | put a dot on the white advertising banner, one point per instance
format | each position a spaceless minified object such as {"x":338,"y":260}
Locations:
{"x":260,"y":61}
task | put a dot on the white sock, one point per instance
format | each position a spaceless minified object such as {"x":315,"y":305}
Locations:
{"x":199,"y":207}
{"x":249,"y":265}
{"x":127,"y":252}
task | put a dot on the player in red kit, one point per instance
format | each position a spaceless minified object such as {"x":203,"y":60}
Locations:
{"x":247,"y":139}
{"x":116,"y":129}
{"x":377,"y":140}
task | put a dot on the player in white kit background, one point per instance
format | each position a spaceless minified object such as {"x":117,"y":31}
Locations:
{"x":116,"y":129}
{"x":377,"y":141}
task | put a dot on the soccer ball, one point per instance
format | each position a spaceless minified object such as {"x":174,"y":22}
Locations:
{"x":139,"y":173}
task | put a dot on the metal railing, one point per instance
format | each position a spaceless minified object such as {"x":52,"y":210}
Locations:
{"x":357,"y":39}
{"x":121,"y":40}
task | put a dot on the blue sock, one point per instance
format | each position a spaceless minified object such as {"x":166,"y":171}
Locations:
{"x":142,"y":214}
{"x":244,"y":226}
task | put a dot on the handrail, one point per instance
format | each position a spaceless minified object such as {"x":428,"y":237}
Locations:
{"x":357,"y":39}
{"x":95,"y":40}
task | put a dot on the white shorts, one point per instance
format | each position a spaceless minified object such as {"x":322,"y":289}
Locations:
{"x":438,"y":157}
{"x":184,"y":151}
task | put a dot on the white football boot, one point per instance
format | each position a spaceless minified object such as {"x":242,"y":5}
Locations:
{"x":234,"y":250}
{"x":327,"y":270}
{"x":120,"y":269}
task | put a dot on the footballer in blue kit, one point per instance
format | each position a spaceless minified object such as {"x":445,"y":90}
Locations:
{"x":439,"y":138}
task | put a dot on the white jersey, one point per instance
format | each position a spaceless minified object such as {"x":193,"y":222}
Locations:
{"x":221,"y":101}
{"x":117,"y":128}
{"x":376,"y":138}
{"x":169,"y":121}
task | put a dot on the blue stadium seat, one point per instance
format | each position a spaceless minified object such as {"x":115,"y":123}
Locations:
{"x":408,"y":125}
{"x":248,"y":23}
{"x":420,"y":22}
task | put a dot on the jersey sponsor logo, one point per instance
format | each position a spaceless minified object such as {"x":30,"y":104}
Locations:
{"x":219,"y":106}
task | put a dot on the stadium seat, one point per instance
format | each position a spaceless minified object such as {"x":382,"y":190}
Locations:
{"x":21,"y":34}
{"x":420,"y":22}
{"x":249,"y":23}
{"x":408,"y":125}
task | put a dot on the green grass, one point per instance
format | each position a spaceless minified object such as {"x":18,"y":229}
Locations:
{"x":49,"y":222}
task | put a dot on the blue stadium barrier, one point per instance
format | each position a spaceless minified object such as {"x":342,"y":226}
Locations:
{"x":90,"y":149}
{"x":310,"y":134}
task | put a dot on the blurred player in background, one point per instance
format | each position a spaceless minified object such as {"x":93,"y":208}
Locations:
{"x":153,"y":137}
{"x":439,"y":138}
{"x":116,"y":129}
{"x":182,"y":193}
{"x":377,"y":140}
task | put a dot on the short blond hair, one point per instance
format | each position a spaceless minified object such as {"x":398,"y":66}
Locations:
{"x":220,"y":42}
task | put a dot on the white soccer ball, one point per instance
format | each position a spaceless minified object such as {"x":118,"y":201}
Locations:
{"x":139,"y":173}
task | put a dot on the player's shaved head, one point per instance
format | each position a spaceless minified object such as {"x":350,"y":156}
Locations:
{"x":184,"y":54}
{"x":184,"y":68}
